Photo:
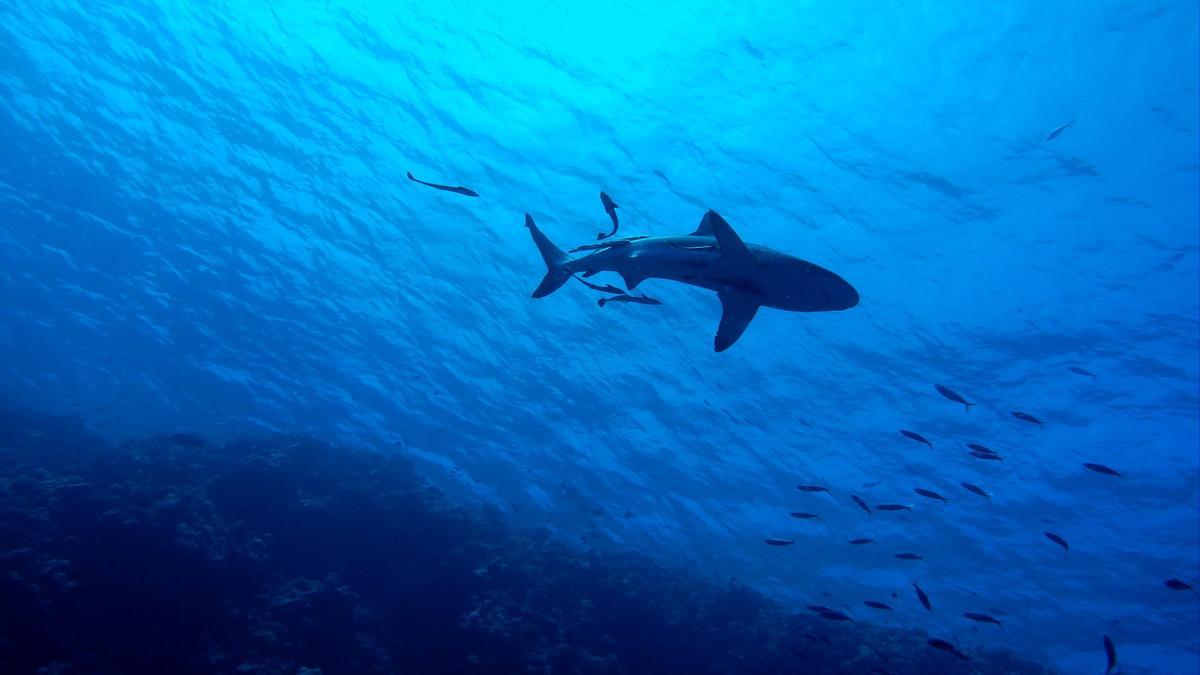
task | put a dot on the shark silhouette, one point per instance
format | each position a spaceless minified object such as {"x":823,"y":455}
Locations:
{"x":744,"y":276}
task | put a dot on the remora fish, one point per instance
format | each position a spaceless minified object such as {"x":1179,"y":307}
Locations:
{"x":921,"y":596}
{"x":1026,"y":417}
{"x":636,"y":299}
{"x":862,"y":504}
{"x":744,"y":276}
{"x":1060,"y":541}
{"x":610,"y":207}
{"x":458,"y":189}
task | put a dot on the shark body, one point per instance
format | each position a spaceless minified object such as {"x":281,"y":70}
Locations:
{"x":744,"y":276}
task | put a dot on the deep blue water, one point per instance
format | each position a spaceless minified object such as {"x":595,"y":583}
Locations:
{"x":205,"y":225}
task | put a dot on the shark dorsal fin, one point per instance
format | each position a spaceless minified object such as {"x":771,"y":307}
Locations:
{"x":728,"y":241}
{"x":705,"y":228}
{"x":737,"y":311}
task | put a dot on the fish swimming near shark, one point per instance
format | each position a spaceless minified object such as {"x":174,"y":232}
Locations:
{"x":636,"y":299}
{"x":457,"y":189}
{"x":610,"y":207}
{"x":744,"y":276}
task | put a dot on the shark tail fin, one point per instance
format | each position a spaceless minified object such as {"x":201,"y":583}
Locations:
{"x":556,"y":271}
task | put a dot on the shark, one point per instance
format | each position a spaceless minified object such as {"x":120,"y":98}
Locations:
{"x":744,"y":276}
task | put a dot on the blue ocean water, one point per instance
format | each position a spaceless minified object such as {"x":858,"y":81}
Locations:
{"x":205,"y":225}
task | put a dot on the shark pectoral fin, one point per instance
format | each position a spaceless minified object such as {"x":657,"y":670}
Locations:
{"x":632,"y":279}
{"x":590,"y":273}
{"x":731,"y":245}
{"x":737,"y":311}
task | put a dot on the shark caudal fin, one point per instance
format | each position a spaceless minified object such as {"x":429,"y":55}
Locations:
{"x":556,"y":271}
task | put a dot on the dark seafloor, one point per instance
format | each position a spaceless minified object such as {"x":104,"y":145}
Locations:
{"x":285,"y":554}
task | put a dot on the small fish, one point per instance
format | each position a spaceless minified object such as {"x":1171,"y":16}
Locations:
{"x":980,"y":448}
{"x":1178,"y":585}
{"x":983,"y":618}
{"x":953,"y":396}
{"x":987,"y":455}
{"x":871,"y":483}
{"x":812,"y":488}
{"x":835,"y":616}
{"x":916,"y":437}
{"x":977,"y":490}
{"x":1026,"y":417}
{"x":804,"y":516}
{"x":892,"y":507}
{"x":947,"y":647}
{"x":1058,"y":130}
{"x":1081,"y":371}
{"x":448,"y":188}
{"x":909,"y":556}
{"x":877,"y":605}
{"x":625,"y":297}
{"x":819,"y":608}
{"x":779,"y":542}
{"x":606,"y":288}
{"x":921,"y":596}
{"x":930,"y":494}
{"x":860,"y":542}
{"x":1110,"y":651}
{"x":610,"y":207}
{"x":862,"y":504}
{"x":1060,"y":541}
{"x":1100,"y":468}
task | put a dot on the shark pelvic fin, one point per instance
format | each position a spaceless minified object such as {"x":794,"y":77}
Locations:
{"x":737,"y":311}
{"x":632,"y":279}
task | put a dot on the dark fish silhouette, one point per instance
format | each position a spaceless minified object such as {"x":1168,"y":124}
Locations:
{"x":915,"y":436}
{"x":930,"y":494}
{"x":610,"y":207}
{"x":860,"y":542}
{"x":1081,"y":371}
{"x":1060,"y":541}
{"x":983,"y":618}
{"x":981,"y":448}
{"x":812,"y":488}
{"x":610,"y":243}
{"x":1026,"y":417}
{"x":1178,"y":585}
{"x":987,"y":455}
{"x":862,"y":504}
{"x":1110,"y":651}
{"x":877,"y":605}
{"x":909,"y":556}
{"x":458,"y":189}
{"x":606,"y":288}
{"x":892,"y":507}
{"x":977,"y":490}
{"x":818,"y":608}
{"x":625,"y":297}
{"x":947,"y":647}
{"x":779,"y":542}
{"x":804,"y":516}
{"x":1054,"y":134}
{"x":1100,"y":468}
{"x":921,"y":596}
{"x":834,"y":616}
{"x":953,"y":396}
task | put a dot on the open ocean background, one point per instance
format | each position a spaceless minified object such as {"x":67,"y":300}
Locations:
{"x":205,"y":226}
